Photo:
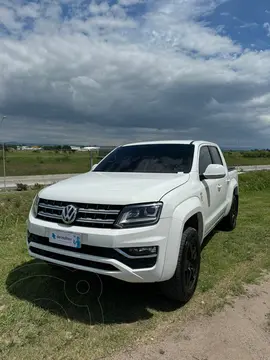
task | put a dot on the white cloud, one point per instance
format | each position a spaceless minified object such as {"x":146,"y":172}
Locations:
{"x":98,"y":9}
{"x":30,"y":10}
{"x":95,"y":74}
{"x":266,"y":26}
{"x":129,"y":2}
{"x":249,"y":25}
{"x":8,"y":19}
{"x":188,"y":35}
{"x":112,"y":22}
{"x":245,"y":24}
{"x":220,"y":29}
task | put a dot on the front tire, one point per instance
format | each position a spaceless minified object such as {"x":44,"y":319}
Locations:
{"x":52,"y":265}
{"x":182,"y":285}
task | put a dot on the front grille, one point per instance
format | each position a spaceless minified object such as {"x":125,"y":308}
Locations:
{"x":104,"y":252}
{"x":89,"y":215}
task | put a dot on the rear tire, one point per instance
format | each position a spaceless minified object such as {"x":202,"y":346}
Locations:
{"x":182,"y":285}
{"x":230,"y":221}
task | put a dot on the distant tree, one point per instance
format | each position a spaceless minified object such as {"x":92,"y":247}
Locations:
{"x":12,"y":147}
{"x":66,"y":148}
{"x":256,"y":154}
{"x":6,"y":147}
{"x":47,"y":148}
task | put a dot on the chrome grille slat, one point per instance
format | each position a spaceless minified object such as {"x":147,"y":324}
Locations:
{"x":95,"y":221}
{"x":103,"y":212}
{"x":51,"y":207}
{"x":48,"y":215}
{"x":89,"y":215}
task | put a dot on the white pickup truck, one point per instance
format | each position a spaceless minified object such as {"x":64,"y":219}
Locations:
{"x":140,"y":215}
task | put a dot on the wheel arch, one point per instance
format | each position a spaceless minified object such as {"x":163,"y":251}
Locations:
{"x":195,"y":221}
{"x":188,"y":213}
{"x":233,"y":190}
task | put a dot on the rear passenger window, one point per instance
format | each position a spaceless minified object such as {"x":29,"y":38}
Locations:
{"x":216,"y":158}
{"x":204,"y":160}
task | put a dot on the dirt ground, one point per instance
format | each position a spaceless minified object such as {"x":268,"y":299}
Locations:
{"x":239,"y":332}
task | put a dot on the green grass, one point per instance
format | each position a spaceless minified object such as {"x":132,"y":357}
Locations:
{"x":237,"y":160}
{"x":255,"y":181}
{"x":49,"y":162}
{"x":43,"y":312}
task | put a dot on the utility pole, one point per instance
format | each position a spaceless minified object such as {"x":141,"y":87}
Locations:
{"x":91,"y":159}
{"x":4,"y":158}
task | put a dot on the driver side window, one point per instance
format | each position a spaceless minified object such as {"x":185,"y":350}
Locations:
{"x":204,"y":159}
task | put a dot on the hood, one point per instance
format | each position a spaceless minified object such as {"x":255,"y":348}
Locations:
{"x":114,"y":188}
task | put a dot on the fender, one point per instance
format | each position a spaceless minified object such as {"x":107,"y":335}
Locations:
{"x":233,"y":185}
{"x":182,"y":213}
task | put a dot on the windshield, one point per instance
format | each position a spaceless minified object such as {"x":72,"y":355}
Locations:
{"x":154,"y":158}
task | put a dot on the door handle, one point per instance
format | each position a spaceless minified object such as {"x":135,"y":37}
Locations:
{"x":219,"y":187}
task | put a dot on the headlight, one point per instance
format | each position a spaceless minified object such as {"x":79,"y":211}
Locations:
{"x":139,"y":215}
{"x":35,"y":206}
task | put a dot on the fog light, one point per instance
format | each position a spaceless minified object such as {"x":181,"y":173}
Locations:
{"x":149,"y":251}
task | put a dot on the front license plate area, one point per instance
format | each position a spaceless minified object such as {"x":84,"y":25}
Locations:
{"x":65,"y":238}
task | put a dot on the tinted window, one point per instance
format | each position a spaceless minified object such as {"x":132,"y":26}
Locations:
{"x":205,"y":159}
{"x":154,"y":158}
{"x":216,"y":158}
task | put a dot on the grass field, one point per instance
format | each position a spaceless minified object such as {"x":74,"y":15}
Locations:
{"x":47,"y":162}
{"x":237,"y":159}
{"x":50,"y":162}
{"x":53,"y":314}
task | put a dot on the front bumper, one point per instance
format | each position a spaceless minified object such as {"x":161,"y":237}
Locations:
{"x":98,"y":252}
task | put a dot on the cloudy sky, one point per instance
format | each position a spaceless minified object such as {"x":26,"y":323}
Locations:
{"x":109,"y":72}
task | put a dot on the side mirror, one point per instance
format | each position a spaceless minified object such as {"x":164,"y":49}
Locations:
{"x":94,"y":166}
{"x":214,"y":171}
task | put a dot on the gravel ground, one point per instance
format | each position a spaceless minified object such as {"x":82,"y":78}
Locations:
{"x":239,"y":332}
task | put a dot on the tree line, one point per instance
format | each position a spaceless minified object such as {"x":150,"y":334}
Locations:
{"x":256,"y":153}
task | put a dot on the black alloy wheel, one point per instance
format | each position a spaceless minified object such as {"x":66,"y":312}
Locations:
{"x":182,"y":285}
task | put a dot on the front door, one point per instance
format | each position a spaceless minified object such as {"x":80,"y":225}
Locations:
{"x":211,"y":192}
{"x":222,"y":184}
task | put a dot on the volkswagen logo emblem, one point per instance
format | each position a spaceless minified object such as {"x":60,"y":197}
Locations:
{"x":69,"y":214}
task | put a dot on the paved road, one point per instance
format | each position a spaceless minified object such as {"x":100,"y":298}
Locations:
{"x":253,"y":168}
{"x":11,"y":181}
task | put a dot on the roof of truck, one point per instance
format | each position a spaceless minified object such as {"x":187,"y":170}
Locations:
{"x":197,"y":142}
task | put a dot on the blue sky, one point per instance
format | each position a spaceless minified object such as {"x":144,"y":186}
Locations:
{"x":243,"y":21}
{"x":111,"y":72}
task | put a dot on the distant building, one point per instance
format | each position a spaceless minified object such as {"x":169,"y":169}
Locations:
{"x":29,"y":148}
{"x":75,"y":148}
{"x":84,"y":148}
{"x":90,"y":148}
